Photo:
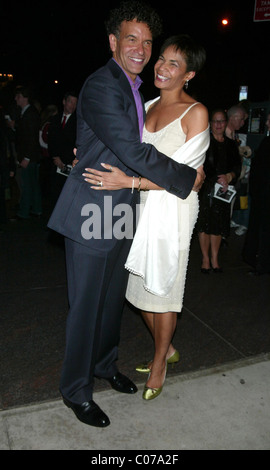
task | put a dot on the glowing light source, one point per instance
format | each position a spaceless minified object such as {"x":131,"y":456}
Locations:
{"x":5,"y":78}
{"x":56,"y":82}
{"x":8,"y":76}
{"x":225,"y":21}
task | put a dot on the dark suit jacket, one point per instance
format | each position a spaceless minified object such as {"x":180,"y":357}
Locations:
{"x":27,"y":135}
{"x":61,"y":142}
{"x":108,"y":132}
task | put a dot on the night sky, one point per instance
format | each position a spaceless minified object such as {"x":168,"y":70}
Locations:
{"x":44,"y":41}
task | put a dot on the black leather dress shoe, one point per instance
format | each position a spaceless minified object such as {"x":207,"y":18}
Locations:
{"x":121,"y":383}
{"x":217,"y":270}
{"x":89,"y":413}
{"x":254,"y":272}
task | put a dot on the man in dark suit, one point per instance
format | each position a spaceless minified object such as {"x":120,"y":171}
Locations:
{"x":61,"y":143}
{"x":110,"y":117}
{"x":28,"y":154}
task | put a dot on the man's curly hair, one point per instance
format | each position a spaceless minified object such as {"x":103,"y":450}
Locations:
{"x":130,"y":10}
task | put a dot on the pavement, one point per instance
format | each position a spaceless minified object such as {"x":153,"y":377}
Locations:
{"x":216,"y":398}
{"x":225,"y":408}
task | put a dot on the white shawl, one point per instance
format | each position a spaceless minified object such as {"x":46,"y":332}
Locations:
{"x":154,"y":253}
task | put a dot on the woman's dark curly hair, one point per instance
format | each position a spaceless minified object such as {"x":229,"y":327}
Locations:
{"x":130,"y":10}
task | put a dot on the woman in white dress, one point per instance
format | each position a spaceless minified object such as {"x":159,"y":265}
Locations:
{"x":178,"y":126}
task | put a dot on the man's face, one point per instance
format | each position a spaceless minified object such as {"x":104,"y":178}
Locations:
{"x":70,"y":104}
{"x":132,"y":49}
{"x":21,"y":100}
{"x":238,"y":120}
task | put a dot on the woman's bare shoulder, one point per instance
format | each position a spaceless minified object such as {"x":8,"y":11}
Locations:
{"x":199,"y":111}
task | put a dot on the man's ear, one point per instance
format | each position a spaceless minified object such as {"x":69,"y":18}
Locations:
{"x":112,"y":42}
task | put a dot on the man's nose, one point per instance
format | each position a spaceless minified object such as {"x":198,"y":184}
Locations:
{"x":140,"y":48}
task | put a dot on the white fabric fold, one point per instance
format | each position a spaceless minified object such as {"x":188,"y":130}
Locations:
{"x":154,"y":253}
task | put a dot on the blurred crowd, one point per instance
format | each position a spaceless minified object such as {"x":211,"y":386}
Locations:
{"x":36,"y":154}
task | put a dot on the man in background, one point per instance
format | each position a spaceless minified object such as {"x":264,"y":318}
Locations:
{"x":28,"y":154}
{"x":61,"y":142}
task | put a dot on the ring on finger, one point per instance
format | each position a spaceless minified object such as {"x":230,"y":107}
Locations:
{"x":100,"y":183}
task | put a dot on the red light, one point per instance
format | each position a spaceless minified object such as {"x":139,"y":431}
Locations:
{"x":225,"y":22}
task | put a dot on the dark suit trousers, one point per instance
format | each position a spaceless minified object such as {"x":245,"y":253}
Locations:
{"x":31,"y":194}
{"x":96,"y":288}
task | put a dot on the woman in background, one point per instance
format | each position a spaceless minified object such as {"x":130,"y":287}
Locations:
{"x":222,"y":165}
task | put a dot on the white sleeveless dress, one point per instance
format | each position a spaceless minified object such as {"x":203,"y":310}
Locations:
{"x":167,"y":141}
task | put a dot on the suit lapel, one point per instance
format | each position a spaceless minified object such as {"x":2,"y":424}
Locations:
{"x":120,"y":76}
{"x":124,"y":84}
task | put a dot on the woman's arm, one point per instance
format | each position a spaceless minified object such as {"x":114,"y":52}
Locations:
{"x":115,"y":179}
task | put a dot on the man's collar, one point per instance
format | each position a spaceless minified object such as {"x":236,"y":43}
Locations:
{"x":138,"y":81}
{"x":24,"y":109}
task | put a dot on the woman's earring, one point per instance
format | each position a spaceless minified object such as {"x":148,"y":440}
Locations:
{"x":186,"y":85}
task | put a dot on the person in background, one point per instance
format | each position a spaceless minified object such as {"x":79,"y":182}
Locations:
{"x":235,"y":120}
{"x":61,"y":143}
{"x":243,"y":131}
{"x":46,"y":162}
{"x":4,"y":168}
{"x":256,"y":251}
{"x":28,"y":154}
{"x":223,"y":166}
{"x":237,"y":115}
{"x":12,"y":115}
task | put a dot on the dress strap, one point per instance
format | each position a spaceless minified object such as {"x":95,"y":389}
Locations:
{"x":187,"y":110}
{"x":149,"y":103}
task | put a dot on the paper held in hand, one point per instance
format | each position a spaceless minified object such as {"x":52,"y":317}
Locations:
{"x":65,"y":171}
{"x":226,"y":196}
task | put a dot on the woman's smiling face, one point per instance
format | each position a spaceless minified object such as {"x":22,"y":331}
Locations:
{"x":170,"y":69}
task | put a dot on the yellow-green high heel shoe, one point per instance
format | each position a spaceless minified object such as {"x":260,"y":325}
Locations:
{"x":175,"y":357}
{"x":151,"y":393}
{"x":172,"y":360}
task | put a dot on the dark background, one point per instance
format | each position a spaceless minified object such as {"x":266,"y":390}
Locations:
{"x":45,"y":41}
